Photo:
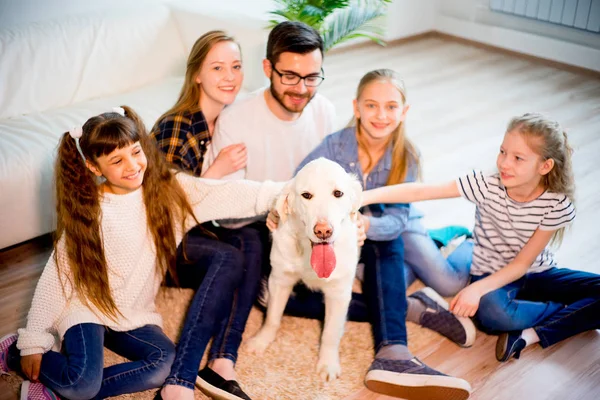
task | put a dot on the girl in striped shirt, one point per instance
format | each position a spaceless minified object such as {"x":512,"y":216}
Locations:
{"x":516,"y":289}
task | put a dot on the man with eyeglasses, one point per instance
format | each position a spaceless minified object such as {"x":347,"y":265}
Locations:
{"x":282,"y":123}
{"x":279,"y":125}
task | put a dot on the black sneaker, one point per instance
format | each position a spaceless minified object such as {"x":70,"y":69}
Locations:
{"x":509,"y":344}
{"x":216,"y":387}
{"x":436,"y":317}
{"x":413,"y":380}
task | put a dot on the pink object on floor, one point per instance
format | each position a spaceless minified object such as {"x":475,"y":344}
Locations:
{"x":5,"y":343}
{"x":36,"y":391}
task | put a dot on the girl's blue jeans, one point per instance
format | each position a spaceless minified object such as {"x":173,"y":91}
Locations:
{"x":423,"y":260}
{"x":78,"y":372}
{"x":225,"y":274}
{"x":557,"y":303}
{"x":387,"y":266}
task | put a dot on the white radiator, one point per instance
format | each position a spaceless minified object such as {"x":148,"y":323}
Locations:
{"x":582,"y":14}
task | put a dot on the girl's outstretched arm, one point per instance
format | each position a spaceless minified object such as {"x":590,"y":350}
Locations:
{"x":466,"y":302}
{"x":213,"y":199}
{"x":410,"y":192}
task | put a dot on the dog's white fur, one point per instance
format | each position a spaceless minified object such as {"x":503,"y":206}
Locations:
{"x":291,"y":252}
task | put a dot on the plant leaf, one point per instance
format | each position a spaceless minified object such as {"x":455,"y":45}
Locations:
{"x":353,"y":22}
{"x":337,"y":20}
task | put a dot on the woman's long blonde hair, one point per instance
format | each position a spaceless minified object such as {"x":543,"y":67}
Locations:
{"x":190,"y":92}
{"x":550,"y":142}
{"x":79,"y":212}
{"x":403,"y":151}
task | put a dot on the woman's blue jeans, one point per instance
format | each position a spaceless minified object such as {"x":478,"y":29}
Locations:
{"x":225,"y":274}
{"x":78,"y":372}
{"x":558,"y":303}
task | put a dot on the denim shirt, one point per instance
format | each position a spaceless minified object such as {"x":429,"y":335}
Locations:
{"x":387,"y":220}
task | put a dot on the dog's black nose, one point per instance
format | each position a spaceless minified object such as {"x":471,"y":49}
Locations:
{"x":323,"y":230}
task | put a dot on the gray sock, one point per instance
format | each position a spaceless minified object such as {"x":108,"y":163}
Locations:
{"x":414,"y":309}
{"x":394,"y":352}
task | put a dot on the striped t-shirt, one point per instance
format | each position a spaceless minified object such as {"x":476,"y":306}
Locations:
{"x":503,"y":226}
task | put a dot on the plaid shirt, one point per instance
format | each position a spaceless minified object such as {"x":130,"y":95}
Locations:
{"x":183,"y":138}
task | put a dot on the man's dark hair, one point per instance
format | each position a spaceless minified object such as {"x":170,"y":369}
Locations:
{"x":293,"y":37}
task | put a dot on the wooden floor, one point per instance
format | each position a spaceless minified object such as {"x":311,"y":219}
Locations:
{"x":461,"y":99}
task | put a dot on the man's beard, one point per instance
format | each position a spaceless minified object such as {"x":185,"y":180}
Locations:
{"x":279,"y":99}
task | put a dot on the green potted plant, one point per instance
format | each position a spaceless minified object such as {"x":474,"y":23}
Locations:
{"x":336,"y":20}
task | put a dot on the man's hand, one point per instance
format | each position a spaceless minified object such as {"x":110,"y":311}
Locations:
{"x":230,"y":159}
{"x":272,"y":220}
{"x":30,"y":365}
{"x":466,"y":302}
{"x":362,"y":223}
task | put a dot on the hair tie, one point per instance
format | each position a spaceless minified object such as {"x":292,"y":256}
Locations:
{"x":119,"y":110}
{"x":76,"y":132}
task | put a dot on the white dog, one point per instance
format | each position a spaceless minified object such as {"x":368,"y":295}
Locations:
{"x":316,"y":242}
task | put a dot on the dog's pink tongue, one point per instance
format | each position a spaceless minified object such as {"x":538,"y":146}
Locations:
{"x":322,"y":259}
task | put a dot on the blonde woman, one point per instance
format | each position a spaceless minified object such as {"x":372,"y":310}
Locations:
{"x":517,"y":289}
{"x":213,"y":79}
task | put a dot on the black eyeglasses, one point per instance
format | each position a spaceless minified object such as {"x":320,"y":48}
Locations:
{"x":291,"y":79}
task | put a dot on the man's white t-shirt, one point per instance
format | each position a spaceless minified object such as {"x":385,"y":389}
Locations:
{"x":275,"y":147}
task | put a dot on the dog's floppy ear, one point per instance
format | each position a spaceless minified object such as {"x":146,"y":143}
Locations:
{"x":283,"y":200}
{"x":355,"y":195}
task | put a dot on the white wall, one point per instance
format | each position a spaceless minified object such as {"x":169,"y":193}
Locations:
{"x":14,"y":12}
{"x":469,"y":19}
{"x":404,"y":18}
{"x":472,"y":19}
{"x":409,"y":17}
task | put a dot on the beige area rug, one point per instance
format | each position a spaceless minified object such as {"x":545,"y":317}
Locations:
{"x":287,"y":369}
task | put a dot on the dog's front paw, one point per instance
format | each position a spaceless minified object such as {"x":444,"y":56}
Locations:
{"x":329,"y":367}
{"x":259,"y":343}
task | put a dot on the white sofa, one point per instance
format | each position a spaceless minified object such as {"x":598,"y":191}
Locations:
{"x":57,"y":73}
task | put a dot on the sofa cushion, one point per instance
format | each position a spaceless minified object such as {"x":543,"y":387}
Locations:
{"x":54,"y":63}
{"x":28,"y":152}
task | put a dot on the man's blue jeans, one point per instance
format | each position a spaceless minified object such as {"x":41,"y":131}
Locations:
{"x":225,"y":274}
{"x":557,"y":303}
{"x":78,"y":372}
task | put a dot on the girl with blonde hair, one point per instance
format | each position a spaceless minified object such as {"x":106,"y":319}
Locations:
{"x":517,"y":289}
{"x":375,"y":148}
{"x":121,"y":212}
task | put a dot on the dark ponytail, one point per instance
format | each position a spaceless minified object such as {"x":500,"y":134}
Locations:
{"x":78,"y":221}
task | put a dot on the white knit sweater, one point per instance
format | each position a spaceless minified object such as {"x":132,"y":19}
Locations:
{"x":131,"y":259}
